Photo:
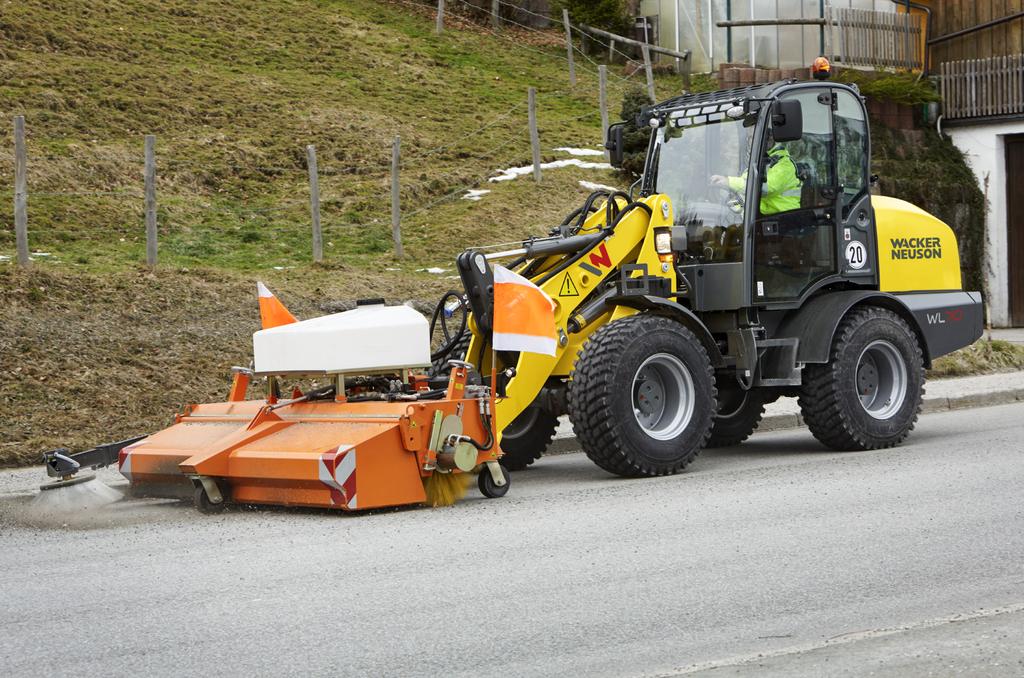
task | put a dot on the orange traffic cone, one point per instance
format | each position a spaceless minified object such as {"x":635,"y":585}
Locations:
{"x":272,"y":311}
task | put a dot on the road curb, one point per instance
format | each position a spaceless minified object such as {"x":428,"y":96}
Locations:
{"x":781,"y":422}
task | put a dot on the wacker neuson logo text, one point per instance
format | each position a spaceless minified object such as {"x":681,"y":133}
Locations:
{"x":916,"y":248}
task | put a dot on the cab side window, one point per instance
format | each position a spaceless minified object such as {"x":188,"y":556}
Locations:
{"x":812,"y":153}
{"x":851,"y":130}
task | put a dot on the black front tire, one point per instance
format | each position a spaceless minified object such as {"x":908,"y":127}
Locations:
{"x":739,"y":413}
{"x":525,"y":439}
{"x":849,"y":403}
{"x":440,"y":366}
{"x":611,"y":390}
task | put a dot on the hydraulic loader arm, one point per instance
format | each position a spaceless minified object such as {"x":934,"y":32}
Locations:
{"x":576,"y":280}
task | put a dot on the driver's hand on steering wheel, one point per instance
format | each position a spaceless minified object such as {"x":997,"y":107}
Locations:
{"x":719,"y":180}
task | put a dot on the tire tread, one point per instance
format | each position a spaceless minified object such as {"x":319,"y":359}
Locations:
{"x":819,"y":399}
{"x":594,"y":377}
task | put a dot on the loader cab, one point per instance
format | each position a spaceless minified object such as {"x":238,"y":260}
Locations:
{"x":770,"y":184}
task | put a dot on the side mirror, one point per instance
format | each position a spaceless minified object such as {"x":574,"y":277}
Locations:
{"x":787,"y":120}
{"x":614,"y":144}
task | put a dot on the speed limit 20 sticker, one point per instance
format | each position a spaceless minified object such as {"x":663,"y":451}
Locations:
{"x":856,"y":254}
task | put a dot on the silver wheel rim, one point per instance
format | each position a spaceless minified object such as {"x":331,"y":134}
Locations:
{"x":663,"y":396}
{"x":881,"y":379}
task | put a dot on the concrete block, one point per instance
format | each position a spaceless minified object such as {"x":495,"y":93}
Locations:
{"x":730,"y":77}
{"x":567,"y":445}
{"x":779,"y":422}
{"x":726,"y":65}
{"x":983,"y":399}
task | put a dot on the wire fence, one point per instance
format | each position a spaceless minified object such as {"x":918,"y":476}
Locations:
{"x":339,"y":207}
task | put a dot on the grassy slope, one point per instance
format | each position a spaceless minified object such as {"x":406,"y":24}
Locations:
{"x":89,"y":357}
{"x":234,"y":92}
{"x":984,"y":356}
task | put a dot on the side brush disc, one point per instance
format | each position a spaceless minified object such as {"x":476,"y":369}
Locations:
{"x":68,"y":482}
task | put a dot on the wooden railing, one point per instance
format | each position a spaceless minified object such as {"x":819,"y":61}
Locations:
{"x":983,"y":88}
{"x":861,"y":37}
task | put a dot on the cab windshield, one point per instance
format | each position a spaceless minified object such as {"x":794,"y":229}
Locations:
{"x":691,"y":149}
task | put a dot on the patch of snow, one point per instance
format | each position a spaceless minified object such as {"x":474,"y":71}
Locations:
{"x":4,"y":257}
{"x":513,"y":172}
{"x":591,"y":186}
{"x":433,"y":269}
{"x":475,"y":194}
{"x":580,"y":151}
{"x":41,"y":254}
{"x":282,"y":268}
{"x":392,"y":269}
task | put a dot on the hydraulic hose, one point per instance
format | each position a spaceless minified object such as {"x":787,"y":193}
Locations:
{"x":607,"y":231}
{"x":486,"y":421}
{"x":450,"y":342}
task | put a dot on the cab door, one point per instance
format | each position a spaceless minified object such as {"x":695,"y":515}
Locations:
{"x":796,"y":223}
{"x":857,"y":246}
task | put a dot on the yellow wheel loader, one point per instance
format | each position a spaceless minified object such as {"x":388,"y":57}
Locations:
{"x":749,"y":262}
{"x":752,"y":262}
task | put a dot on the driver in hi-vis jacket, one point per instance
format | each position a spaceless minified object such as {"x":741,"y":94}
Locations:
{"x":781,"y":189}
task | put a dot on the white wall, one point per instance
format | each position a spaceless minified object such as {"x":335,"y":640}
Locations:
{"x":985,"y":149}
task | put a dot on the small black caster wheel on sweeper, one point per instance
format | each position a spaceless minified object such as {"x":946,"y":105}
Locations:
{"x":203,"y":502}
{"x":491,"y":489}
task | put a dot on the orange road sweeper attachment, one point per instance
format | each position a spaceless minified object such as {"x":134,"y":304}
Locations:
{"x":380,"y":434}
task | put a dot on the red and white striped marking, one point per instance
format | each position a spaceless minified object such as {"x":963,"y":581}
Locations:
{"x":338,"y":472}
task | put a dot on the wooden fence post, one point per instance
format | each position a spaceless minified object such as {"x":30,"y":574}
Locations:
{"x":20,"y":191}
{"x":534,"y":136}
{"x":602,"y":74}
{"x":568,"y":47}
{"x":496,"y":14}
{"x":396,"y":208}
{"x":314,"y":203}
{"x":650,"y":74}
{"x":439,"y":27}
{"x":150,"y":198}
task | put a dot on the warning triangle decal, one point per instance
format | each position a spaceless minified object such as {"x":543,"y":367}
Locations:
{"x":568,"y":288}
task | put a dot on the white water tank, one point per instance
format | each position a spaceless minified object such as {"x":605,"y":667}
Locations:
{"x":365,"y":339}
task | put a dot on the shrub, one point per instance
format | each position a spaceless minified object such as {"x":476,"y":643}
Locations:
{"x":607,"y":14}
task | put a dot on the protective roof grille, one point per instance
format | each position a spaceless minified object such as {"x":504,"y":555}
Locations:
{"x":750,"y":91}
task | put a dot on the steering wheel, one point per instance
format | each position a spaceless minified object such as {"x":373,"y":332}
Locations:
{"x":730,"y":193}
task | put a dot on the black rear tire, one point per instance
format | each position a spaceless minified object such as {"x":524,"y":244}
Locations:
{"x":868,"y":395}
{"x":739,"y":413}
{"x":525,"y":439}
{"x":615,"y":383}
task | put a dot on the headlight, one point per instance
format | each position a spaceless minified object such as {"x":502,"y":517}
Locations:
{"x":663,"y":241}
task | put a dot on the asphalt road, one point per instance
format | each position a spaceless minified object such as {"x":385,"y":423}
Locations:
{"x":773,"y":558}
